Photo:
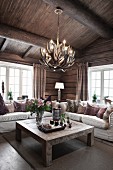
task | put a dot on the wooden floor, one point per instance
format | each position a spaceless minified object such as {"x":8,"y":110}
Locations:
{"x":99,"y":157}
{"x":10,"y":159}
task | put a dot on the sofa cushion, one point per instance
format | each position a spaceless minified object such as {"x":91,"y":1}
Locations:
{"x":3,"y":108}
{"x":63,"y":106}
{"x":55,"y":104}
{"x":10,"y":107}
{"x":107,"y":113}
{"x":46,"y":114}
{"x":101,"y":112}
{"x":91,"y":110}
{"x":14,"y":116}
{"x":81,"y":109}
{"x":72,"y":105}
{"x":74,"y":116}
{"x":95,"y":121}
{"x":20,"y":106}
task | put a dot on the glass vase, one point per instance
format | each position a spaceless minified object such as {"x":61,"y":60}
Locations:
{"x":39,"y":116}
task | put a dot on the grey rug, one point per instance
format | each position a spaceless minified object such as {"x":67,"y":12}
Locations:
{"x":71,"y":155}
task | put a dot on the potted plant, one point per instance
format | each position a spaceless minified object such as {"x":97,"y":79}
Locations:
{"x":10,"y":96}
{"x":94,"y":97}
{"x":38,"y":106}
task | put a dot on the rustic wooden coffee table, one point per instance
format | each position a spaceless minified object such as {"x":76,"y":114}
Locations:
{"x":50,"y":139}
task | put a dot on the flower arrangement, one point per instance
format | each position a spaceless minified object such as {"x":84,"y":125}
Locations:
{"x":38,"y":106}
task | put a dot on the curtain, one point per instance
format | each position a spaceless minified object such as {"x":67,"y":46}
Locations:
{"x":82,"y":81}
{"x":39,"y":81}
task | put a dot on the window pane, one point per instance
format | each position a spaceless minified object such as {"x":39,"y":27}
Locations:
{"x":24,"y":73}
{"x":11,"y":80}
{"x":93,"y":83}
{"x":16,"y":80}
{"x":17,"y":72}
{"x":11,"y":88}
{"x":111,"y":83}
{"x":98,"y":83}
{"x":97,"y":91}
{"x":106,"y":83}
{"x":93,"y":75}
{"x":98,"y":75}
{"x":111,"y":92}
{"x":106,"y":92}
{"x":3,"y":71}
{"x":11,"y":72}
{"x":106,"y":74}
{"x":17,"y":88}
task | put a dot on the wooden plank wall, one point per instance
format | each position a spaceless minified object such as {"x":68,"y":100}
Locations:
{"x":69,"y":79}
{"x":51,"y":79}
{"x":99,"y":53}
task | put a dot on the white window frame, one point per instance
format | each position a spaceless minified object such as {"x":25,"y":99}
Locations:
{"x":21,"y":67}
{"x":101,"y":69}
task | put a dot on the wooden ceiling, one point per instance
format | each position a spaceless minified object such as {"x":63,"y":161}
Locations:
{"x":27,"y":25}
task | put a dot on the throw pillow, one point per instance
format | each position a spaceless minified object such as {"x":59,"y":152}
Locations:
{"x":10,"y":107}
{"x":72,"y":105}
{"x":63,"y":106}
{"x":81,"y":109}
{"x":19,"y":107}
{"x":101,"y":113}
{"x":3,"y":108}
{"x":55,"y":104}
{"x":108,"y":111}
{"x":90,"y":110}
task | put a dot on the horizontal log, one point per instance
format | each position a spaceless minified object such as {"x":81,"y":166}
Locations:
{"x":78,"y":11}
{"x":69,"y":90}
{"x":8,"y":57}
{"x":51,"y":92}
{"x":69,"y":85}
{"x":69,"y":96}
{"x":68,"y":79}
{"x":23,"y":36}
{"x":53,"y":75}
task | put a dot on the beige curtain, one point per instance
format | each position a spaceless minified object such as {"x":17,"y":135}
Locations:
{"x":39,"y":81}
{"x":82,"y":81}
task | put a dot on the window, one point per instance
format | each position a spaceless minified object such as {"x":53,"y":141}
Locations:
{"x":17,"y":78}
{"x":101,"y":82}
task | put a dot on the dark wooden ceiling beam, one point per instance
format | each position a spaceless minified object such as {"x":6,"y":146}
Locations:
{"x":82,"y":14}
{"x":27,"y":51}
{"x":23,"y":36}
{"x":10,"y":57}
{"x":4,"y":44}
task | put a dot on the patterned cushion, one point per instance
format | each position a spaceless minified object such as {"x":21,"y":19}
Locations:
{"x":81,"y":109}
{"x":3,"y":108}
{"x":72,"y":105}
{"x":101,"y":112}
{"x":20,"y":107}
{"x":90,"y":110}
{"x":10,"y":107}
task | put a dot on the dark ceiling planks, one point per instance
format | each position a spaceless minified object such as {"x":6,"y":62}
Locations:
{"x":32,"y":23}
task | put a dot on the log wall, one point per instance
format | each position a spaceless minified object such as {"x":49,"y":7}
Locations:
{"x":98,"y":53}
{"x":69,"y":79}
{"x":51,"y":79}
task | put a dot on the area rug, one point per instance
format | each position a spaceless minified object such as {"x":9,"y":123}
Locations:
{"x":31,"y":150}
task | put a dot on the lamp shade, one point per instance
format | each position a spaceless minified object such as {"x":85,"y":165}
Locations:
{"x":59,"y":85}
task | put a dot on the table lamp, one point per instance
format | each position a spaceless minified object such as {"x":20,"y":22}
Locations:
{"x":59,"y":85}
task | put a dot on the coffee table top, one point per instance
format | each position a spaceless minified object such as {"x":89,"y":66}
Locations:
{"x":77,"y":129}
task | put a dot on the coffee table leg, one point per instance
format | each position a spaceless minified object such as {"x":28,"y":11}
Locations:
{"x":47,"y":153}
{"x":90,"y":139}
{"x":18,"y":134}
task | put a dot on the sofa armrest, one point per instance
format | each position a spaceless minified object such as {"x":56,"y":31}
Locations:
{"x":111,"y":119}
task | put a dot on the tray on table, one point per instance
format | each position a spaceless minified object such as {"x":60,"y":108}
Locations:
{"x":53,"y":128}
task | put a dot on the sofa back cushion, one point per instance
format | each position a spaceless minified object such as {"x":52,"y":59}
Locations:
{"x":63,"y":106}
{"x":72,"y":105}
{"x":81,"y":109}
{"x":20,"y":107}
{"x":101,"y":112}
{"x":91,"y":110}
{"x":107,"y":113}
{"x":10,"y":107}
{"x":3,"y":108}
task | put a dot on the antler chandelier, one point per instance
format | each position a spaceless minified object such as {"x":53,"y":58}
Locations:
{"x":57,"y":56}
